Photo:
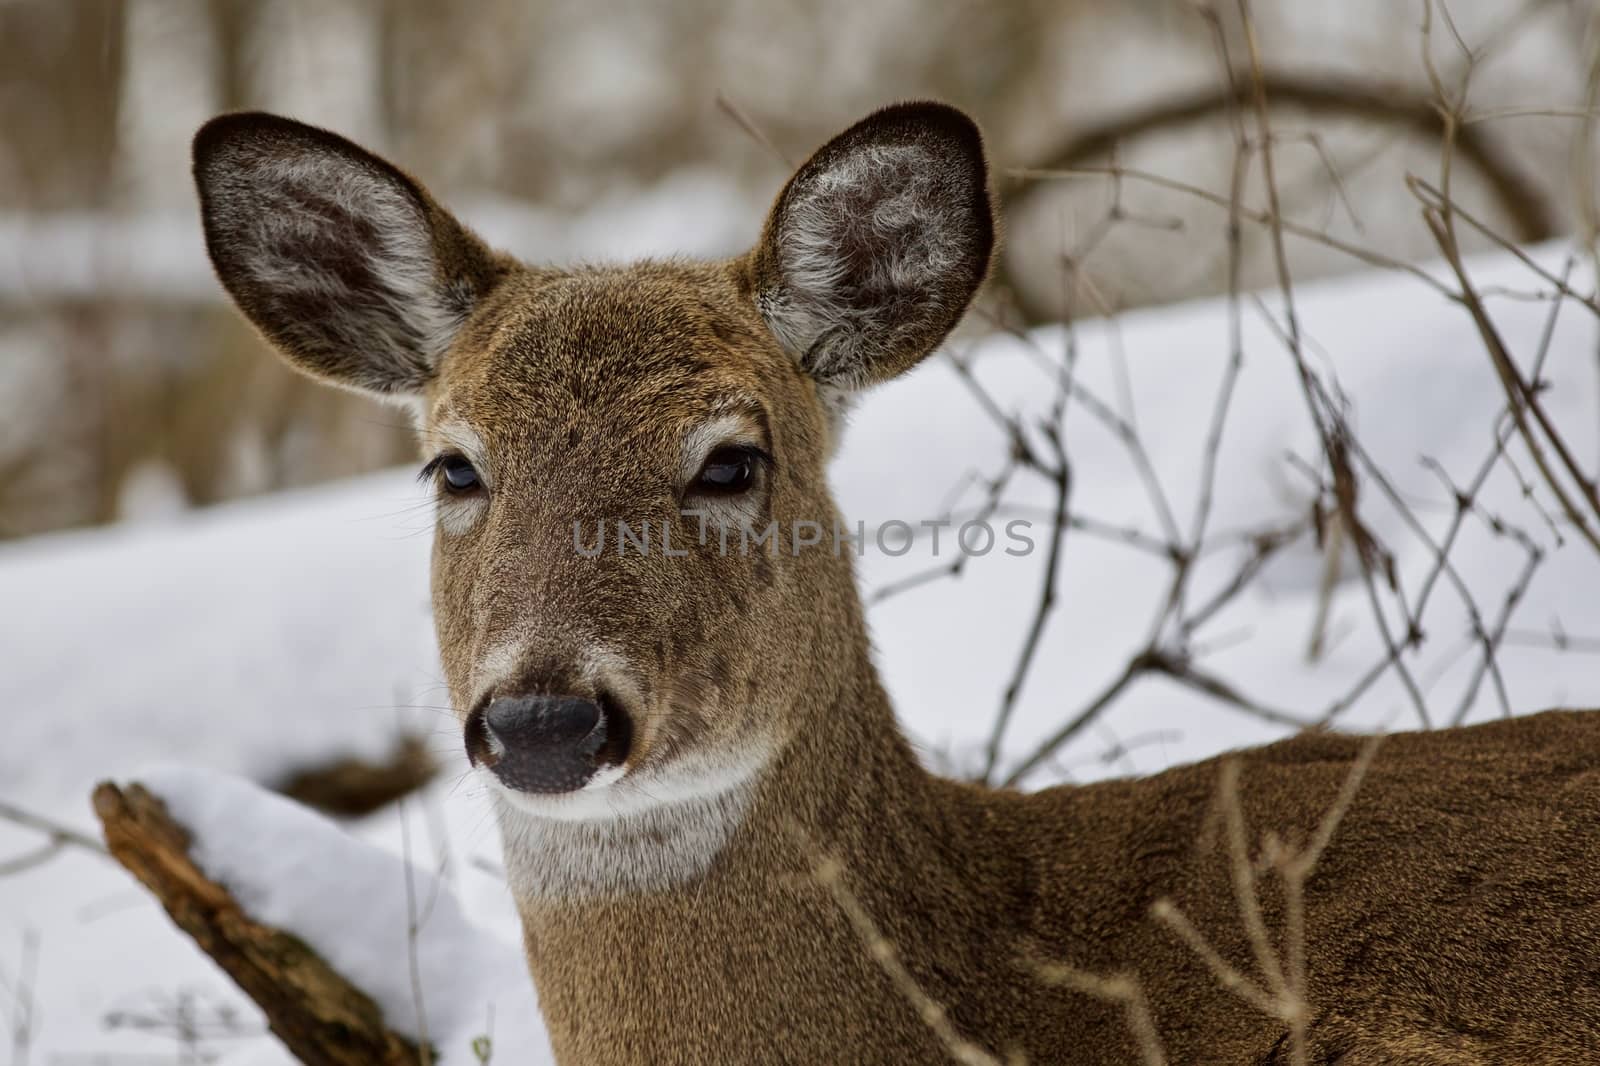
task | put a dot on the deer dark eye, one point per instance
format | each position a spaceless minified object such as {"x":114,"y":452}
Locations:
{"x":728,"y":470}
{"x":459,"y":475}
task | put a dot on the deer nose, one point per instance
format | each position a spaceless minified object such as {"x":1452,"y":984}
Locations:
{"x":543,"y":744}
{"x":537,"y":721}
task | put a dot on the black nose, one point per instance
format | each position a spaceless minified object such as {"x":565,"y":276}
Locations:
{"x":543,"y":720}
{"x":539,"y":743}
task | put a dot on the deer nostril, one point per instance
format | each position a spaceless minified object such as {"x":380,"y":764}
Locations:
{"x":482,"y":749}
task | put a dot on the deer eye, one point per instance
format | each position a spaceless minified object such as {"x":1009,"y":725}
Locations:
{"x":728,"y":470}
{"x":456,"y":472}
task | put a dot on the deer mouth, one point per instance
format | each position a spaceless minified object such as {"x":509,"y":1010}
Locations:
{"x":549,"y":745}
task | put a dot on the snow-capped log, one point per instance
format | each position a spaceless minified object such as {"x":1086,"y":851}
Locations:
{"x":321,"y":1017}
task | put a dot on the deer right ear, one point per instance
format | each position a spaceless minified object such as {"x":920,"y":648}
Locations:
{"x":877,"y":245}
{"x":345,"y":263}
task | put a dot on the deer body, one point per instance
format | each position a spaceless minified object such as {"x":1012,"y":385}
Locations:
{"x":696,"y":771}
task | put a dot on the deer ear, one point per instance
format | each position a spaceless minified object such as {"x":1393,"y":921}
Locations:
{"x":877,"y":245}
{"x":345,"y":264}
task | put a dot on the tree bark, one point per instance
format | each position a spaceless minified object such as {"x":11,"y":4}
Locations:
{"x":321,"y":1018}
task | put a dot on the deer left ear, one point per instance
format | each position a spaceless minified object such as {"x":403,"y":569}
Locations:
{"x":342,"y":261}
{"x":877,"y":245}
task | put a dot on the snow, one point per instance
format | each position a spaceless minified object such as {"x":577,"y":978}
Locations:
{"x":356,"y":905}
{"x":260,"y":637}
{"x":253,"y":638}
{"x":1419,"y":384}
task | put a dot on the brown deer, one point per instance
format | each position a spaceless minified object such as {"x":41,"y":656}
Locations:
{"x":676,"y":736}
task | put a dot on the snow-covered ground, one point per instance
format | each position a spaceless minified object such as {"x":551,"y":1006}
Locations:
{"x":256,"y":637}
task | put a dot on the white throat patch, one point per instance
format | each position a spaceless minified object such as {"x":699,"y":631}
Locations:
{"x":641,"y":833}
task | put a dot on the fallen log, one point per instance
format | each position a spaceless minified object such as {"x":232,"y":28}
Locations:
{"x":321,"y":1017}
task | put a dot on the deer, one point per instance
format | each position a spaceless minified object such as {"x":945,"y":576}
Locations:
{"x":678,"y":742}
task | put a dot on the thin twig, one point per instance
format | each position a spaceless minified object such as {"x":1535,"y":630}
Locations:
{"x":1123,"y":991}
{"x":726,"y":105}
{"x":413,"y":929}
{"x":829,"y":873}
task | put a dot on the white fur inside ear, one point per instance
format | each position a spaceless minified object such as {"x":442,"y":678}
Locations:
{"x":862,"y":249}
{"x":354,"y":254}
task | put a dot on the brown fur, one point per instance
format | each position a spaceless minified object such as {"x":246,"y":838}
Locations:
{"x":1455,"y":918}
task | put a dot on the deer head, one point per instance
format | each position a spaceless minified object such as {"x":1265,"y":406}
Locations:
{"x":629,"y":461}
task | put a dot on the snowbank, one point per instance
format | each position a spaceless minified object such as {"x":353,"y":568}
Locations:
{"x":257,"y":638}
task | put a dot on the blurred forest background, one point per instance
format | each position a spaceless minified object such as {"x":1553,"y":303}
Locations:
{"x":128,"y":388}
